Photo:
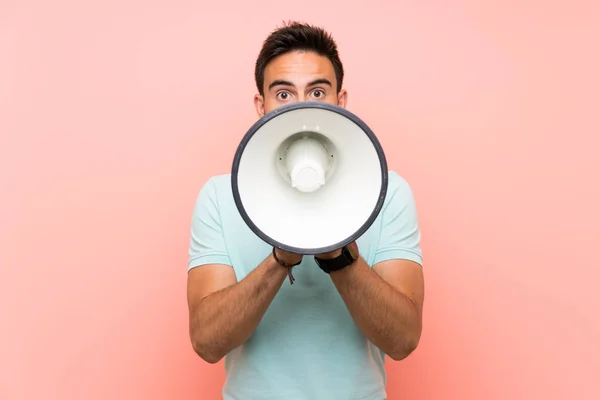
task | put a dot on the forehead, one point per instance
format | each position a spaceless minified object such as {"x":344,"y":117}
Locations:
{"x":299,"y":67}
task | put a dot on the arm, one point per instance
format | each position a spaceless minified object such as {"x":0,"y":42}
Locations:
{"x":386,"y":301}
{"x":223,"y":313}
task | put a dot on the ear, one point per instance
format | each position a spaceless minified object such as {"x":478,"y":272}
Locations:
{"x":342,"y":98}
{"x":259,"y":103}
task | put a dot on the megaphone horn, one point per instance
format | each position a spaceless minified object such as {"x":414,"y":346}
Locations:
{"x":309,"y":177}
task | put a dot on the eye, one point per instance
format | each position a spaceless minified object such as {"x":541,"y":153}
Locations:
{"x":283,"y":95}
{"x":318,"y":93}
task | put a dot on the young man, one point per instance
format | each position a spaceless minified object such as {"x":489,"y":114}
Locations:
{"x":326,"y":336}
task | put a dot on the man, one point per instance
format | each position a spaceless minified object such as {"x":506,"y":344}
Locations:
{"x":325,"y":336}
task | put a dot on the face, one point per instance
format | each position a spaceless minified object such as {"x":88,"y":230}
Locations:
{"x":298,"y":76}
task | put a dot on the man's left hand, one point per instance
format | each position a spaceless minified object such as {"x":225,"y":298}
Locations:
{"x":335,"y":253}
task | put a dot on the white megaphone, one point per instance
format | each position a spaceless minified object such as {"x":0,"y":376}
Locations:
{"x":309,"y":177}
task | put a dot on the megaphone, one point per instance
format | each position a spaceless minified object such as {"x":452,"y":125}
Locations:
{"x":309,"y":177}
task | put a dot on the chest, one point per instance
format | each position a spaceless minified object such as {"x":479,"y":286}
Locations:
{"x":246,"y":251}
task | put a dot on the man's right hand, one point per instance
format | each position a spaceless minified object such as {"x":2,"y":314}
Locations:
{"x":287,"y":257}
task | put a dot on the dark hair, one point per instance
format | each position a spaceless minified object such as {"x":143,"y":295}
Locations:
{"x":297,"y":36}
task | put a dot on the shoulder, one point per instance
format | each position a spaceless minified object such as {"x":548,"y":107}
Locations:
{"x":399,"y":191}
{"x":396,"y":181}
{"x":219,"y":183}
{"x":212,"y":194}
{"x":215,"y":186}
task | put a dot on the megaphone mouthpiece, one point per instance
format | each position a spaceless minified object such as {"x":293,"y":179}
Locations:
{"x":307,"y":163}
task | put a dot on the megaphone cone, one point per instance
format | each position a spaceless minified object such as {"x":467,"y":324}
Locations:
{"x":309,"y":177}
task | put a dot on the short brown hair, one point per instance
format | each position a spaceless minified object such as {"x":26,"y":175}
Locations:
{"x":297,"y":36}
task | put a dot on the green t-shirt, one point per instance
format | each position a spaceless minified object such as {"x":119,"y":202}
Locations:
{"x":307,"y":346}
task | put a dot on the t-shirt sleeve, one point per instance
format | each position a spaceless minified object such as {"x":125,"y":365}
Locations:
{"x":400,"y":236}
{"x":207,"y":244}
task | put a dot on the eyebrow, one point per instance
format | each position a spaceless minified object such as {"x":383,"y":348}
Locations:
{"x":281,"y":82}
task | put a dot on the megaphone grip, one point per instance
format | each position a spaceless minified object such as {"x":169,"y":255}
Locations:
{"x":288,"y":266}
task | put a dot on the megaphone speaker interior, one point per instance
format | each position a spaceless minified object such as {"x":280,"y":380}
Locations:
{"x":309,"y":177}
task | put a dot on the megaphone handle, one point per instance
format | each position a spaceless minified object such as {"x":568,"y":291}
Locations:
{"x":289,"y":267}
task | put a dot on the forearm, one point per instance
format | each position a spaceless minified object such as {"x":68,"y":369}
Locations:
{"x":225,"y":319}
{"x":388,"y":318}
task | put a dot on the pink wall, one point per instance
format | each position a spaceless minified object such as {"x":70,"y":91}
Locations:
{"x":113,"y":114}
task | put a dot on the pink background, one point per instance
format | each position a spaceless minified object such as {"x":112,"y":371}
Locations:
{"x":114,"y":113}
